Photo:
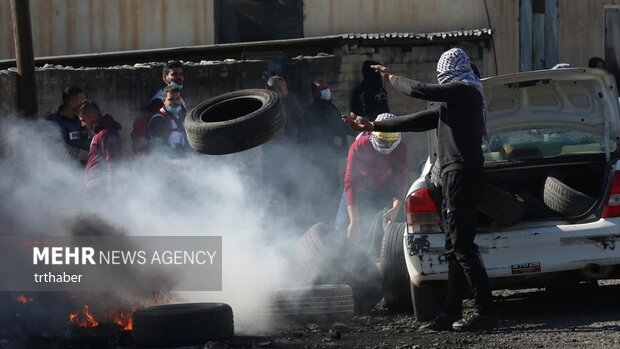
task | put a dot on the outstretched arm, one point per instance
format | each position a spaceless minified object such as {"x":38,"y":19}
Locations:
{"x":421,"y":90}
{"x":418,"y":122}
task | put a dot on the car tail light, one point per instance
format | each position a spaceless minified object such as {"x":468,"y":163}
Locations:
{"x":421,"y":208}
{"x":612,"y":208}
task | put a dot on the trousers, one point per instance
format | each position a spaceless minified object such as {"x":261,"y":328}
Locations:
{"x":461,"y":192}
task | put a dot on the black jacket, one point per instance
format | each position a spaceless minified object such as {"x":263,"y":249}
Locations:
{"x":458,"y":119}
{"x":370,"y":98}
{"x":323,"y":122}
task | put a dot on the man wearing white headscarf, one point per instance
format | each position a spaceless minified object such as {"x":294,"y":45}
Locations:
{"x":460,"y":120}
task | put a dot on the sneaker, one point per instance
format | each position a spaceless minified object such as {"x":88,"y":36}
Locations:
{"x":476,"y":322}
{"x":441,"y":322}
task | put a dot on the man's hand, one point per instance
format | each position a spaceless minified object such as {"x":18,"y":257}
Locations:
{"x":391,"y":214}
{"x":358,"y":123}
{"x":353,"y":233}
{"x":384,"y":71}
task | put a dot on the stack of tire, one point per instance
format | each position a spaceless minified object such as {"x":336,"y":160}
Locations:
{"x":332,"y":259}
{"x":319,"y":304}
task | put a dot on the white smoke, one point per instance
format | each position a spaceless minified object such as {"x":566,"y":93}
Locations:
{"x":43,"y":193}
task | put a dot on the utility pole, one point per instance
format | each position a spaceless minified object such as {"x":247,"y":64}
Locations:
{"x":24,"y":57}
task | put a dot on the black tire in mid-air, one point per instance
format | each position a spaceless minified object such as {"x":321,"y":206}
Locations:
{"x":186,"y":324}
{"x":234,"y":121}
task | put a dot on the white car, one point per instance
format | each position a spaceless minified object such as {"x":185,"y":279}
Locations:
{"x":553,"y":147}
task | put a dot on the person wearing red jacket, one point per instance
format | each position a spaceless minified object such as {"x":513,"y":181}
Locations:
{"x":375,"y":179}
{"x":105,"y":148}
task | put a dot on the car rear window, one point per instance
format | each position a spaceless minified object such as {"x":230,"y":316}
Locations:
{"x":538,"y":143}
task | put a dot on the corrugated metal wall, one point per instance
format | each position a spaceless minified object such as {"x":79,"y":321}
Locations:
{"x":581,"y":30}
{"x":61,"y":27}
{"x":323,"y":17}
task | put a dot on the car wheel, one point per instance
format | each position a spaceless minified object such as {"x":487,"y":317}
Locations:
{"x":315,"y":304}
{"x":328,"y":255}
{"x":234,"y":121}
{"x":565,"y":200}
{"x":394,"y":275}
{"x":182,"y":324}
{"x":427,"y":301}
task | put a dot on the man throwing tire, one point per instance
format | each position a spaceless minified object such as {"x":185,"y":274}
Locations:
{"x":460,"y":121}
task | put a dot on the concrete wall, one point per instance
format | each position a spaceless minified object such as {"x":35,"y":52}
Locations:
{"x":124,"y":91}
{"x":8,"y":91}
{"x":63,"y":27}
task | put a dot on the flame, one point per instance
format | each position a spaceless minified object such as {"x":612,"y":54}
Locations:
{"x":85,"y":320}
{"x":124,"y":320}
{"x":23,"y":299}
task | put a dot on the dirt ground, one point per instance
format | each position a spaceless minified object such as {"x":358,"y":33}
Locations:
{"x":587,"y":316}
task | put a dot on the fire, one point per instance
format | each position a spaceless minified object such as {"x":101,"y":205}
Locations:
{"x":23,"y":299}
{"x":85,"y":319}
{"x":123,"y":320}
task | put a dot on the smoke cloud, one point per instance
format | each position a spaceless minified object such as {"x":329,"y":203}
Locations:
{"x":259,"y":205}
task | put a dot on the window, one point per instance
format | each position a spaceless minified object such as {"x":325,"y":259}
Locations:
{"x":537,"y":143}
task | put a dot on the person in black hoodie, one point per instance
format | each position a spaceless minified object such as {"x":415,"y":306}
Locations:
{"x":370,"y":98}
{"x":105,"y":150}
{"x":460,"y":121}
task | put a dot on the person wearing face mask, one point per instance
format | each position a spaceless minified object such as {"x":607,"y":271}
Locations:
{"x":370,"y":98}
{"x":74,"y":136}
{"x":323,"y":125}
{"x":173,"y":77}
{"x":461,"y":124}
{"x":375,"y":180}
{"x":326,"y":147}
{"x":166,"y":126}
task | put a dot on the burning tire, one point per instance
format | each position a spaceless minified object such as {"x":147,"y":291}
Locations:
{"x":334,"y":260}
{"x":565,"y":200}
{"x":182,"y":324}
{"x":234,"y":121}
{"x":316,"y":304}
{"x":394,"y":275}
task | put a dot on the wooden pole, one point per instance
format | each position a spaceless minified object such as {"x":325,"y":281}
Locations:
{"x":24,"y":56}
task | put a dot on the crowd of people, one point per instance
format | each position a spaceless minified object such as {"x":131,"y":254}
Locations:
{"x":375,"y":177}
{"x":92,"y":138}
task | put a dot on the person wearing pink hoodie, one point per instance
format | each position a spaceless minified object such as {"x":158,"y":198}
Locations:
{"x":105,"y":148}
